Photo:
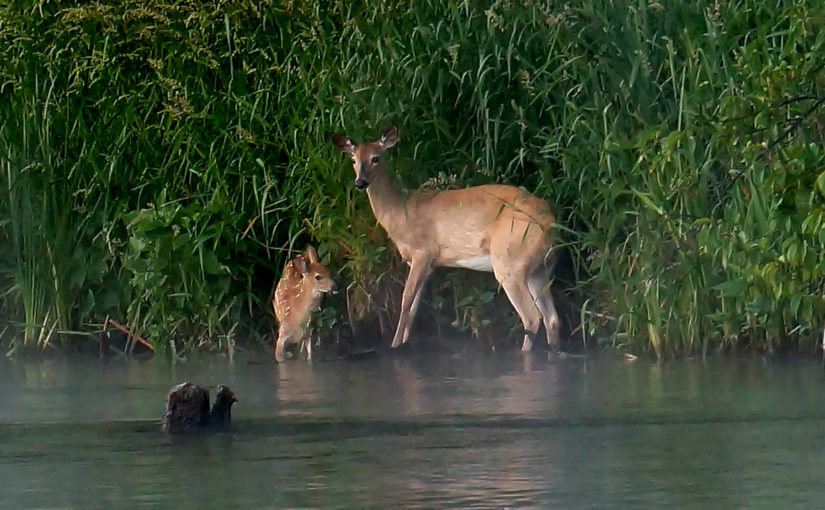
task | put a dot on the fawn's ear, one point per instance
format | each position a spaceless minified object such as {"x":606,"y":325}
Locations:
{"x":389,"y":137}
{"x":312,"y":255}
{"x":300,"y":263}
{"x":342,"y":143}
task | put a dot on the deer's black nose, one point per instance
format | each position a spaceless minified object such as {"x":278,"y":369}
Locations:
{"x":361,"y":184}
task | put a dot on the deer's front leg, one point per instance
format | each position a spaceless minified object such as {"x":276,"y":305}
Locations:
{"x":280,"y":344}
{"x":413,"y":311}
{"x":420,"y":270}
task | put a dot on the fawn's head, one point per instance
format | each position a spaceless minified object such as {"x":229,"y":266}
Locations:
{"x":367,"y":158}
{"x":316,"y":277}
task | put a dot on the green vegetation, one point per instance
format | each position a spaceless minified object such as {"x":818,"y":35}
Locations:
{"x":160,"y":159}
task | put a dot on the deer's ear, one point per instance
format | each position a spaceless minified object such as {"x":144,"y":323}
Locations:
{"x":342,"y":143}
{"x":300,"y":263}
{"x":312,"y":255}
{"x":389,"y":137}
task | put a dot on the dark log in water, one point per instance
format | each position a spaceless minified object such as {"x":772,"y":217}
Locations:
{"x":187,"y":409}
{"x":220,"y":418}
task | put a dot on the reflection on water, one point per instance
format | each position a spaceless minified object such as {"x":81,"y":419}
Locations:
{"x":461,"y":431}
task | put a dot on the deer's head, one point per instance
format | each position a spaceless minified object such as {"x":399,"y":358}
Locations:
{"x":367,"y":158}
{"x":316,"y":277}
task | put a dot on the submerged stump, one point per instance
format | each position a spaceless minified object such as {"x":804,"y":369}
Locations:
{"x":187,"y":409}
{"x":220,"y":417}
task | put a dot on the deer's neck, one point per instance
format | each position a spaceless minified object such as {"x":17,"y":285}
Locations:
{"x":387,"y":203}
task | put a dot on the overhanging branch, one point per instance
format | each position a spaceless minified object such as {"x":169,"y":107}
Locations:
{"x":792,"y":125}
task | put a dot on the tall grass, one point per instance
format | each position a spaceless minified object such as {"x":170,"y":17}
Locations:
{"x":161,"y":160}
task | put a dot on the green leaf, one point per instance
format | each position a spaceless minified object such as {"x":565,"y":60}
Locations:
{"x":796,"y":299}
{"x":732,"y":288}
{"x":210,"y":263}
{"x":820,"y":183}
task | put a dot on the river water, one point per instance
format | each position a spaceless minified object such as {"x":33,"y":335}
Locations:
{"x":469,"y":430}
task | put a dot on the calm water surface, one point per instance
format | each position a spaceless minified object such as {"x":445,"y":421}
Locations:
{"x":437,"y":431}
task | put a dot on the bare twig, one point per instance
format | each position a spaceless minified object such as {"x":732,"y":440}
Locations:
{"x":125,"y":330}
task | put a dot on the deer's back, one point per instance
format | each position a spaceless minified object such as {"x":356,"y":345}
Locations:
{"x":479,"y":207}
{"x":289,"y":300}
{"x":461,"y":226}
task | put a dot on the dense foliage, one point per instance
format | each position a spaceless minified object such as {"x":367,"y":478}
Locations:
{"x":160,"y":160}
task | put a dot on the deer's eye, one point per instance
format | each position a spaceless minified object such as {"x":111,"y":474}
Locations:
{"x":318,"y":277}
{"x":375,"y":159}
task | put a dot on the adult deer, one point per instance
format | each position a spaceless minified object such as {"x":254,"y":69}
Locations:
{"x":299,"y":292}
{"x":493,"y":228}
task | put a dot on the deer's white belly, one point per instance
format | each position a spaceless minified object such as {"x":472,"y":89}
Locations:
{"x":482,"y":263}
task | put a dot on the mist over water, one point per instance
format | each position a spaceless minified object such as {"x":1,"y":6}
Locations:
{"x":419,"y":431}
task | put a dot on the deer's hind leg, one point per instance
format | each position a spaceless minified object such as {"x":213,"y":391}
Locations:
{"x":513,"y":264}
{"x":306,"y":345}
{"x":517,"y":290}
{"x":539,"y":285}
